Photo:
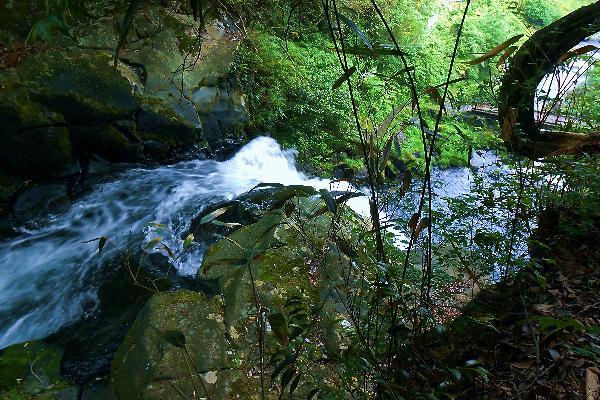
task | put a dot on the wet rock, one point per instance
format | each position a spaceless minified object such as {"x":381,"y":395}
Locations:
{"x":107,"y":142}
{"x":39,"y":201}
{"x":35,"y":140}
{"x":176,"y":345}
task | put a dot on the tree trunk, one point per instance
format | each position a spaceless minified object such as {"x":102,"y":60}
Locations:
{"x":535,"y":59}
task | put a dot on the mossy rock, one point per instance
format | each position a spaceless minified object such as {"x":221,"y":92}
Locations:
{"x":107,"y":142}
{"x":33,"y":369}
{"x":34,"y":139}
{"x":177,"y":344}
{"x":82,"y":86}
{"x":157,"y":121}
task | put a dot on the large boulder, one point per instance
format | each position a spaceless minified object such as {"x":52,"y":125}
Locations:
{"x":168,"y":95}
{"x":177,"y":345}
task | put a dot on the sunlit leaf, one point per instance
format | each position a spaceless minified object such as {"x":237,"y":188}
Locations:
{"x":188,"y":241}
{"x":215,"y":214}
{"x":496,"y":50}
{"x":507,"y":53}
{"x":578,"y":52}
{"x":152,"y":243}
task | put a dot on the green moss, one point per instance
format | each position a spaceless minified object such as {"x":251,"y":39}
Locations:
{"x":29,"y":368}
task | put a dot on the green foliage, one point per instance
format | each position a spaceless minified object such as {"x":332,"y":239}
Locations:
{"x":541,"y":12}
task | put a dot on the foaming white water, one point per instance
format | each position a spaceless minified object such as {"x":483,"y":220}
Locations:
{"x":48,"y":275}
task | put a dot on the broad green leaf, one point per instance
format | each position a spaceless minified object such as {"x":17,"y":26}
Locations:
{"x":496,"y":50}
{"x":279,"y":327}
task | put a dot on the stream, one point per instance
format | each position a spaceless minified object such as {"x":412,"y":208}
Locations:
{"x":48,"y":270}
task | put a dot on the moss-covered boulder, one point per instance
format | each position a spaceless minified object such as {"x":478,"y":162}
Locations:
{"x":61,"y":106}
{"x":178,"y":345}
{"x":34,"y":140}
{"x":32,"y":370}
{"x":279,"y":280}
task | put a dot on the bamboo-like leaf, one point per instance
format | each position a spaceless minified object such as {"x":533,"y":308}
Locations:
{"x":406,"y":179}
{"x":347,"y":196}
{"x":152,"y":243}
{"x":329,"y":200}
{"x":312,"y":393}
{"x":496,"y":50}
{"x":507,"y":53}
{"x":356,"y":29}
{"x":286,"y":377}
{"x":383,"y":127}
{"x":435,"y":95}
{"x":412,"y":223}
{"x":279,"y":327}
{"x":387,"y":149}
{"x":451,"y":82}
{"x":225,"y":224}
{"x":294,"y":383}
{"x":422,"y":225}
{"x":402,"y":71}
{"x":213,"y":215}
{"x":169,"y":251}
{"x":101,"y":242}
{"x":343,"y":78}
{"x":577,"y":52}
{"x":196,"y":9}
{"x":460,"y":133}
{"x":374,"y":52}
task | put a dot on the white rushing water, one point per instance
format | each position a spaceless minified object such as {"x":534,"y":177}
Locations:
{"x":46,"y":273}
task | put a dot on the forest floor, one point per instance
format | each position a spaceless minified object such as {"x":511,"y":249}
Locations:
{"x":538,"y":337}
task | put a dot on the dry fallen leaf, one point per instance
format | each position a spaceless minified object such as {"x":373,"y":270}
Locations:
{"x":522,"y":364}
{"x":591,"y":385}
